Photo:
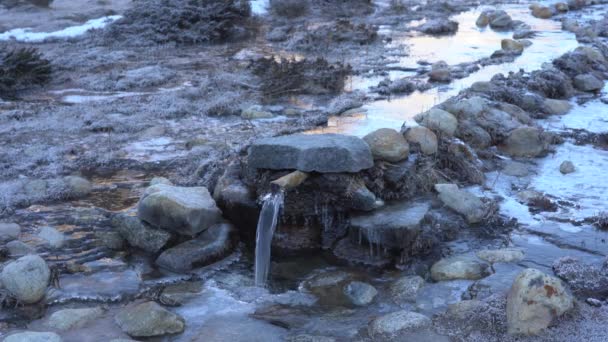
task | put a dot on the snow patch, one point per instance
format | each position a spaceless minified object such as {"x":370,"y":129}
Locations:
{"x":26,"y":34}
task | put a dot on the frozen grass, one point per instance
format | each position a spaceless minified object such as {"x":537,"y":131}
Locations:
{"x":181,"y":21}
{"x":22,"y":68}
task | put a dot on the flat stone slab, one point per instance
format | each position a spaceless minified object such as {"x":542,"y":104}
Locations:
{"x":395,"y":225}
{"x":323,"y":153}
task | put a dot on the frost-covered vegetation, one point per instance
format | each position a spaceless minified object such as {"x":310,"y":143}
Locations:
{"x":22,"y":68}
{"x":182,"y":21}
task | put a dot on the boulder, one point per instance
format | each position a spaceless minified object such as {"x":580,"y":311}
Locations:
{"x":186,"y":211}
{"x":405,"y":289}
{"x":73,"y":318}
{"x":588,"y":82}
{"x":440,"y":72}
{"x":542,"y":12}
{"x":149,"y":319}
{"x":140,"y":234}
{"x":534,"y":301}
{"x":483,"y":20}
{"x":360,"y":293}
{"x":325,"y":153}
{"x":459,"y":267}
{"x":26,"y":278}
{"x":515,"y":169}
{"x":524,"y":142}
{"x":438,"y":120}
{"x":329,"y":286}
{"x":501,"y":255}
{"x":512,"y":46}
{"x":557,"y":107}
{"x":566,"y":167}
{"x":393,"y":226}
{"x":388,"y":144}
{"x":423,"y":138}
{"x":52,"y":236}
{"x":470,"y":108}
{"x":389,"y":327}
{"x":212,"y":245}
{"x":474,"y":134}
{"x":17,"y":248}
{"x":439,"y":26}
{"x":33,"y":336}
{"x":500,"y":20}
{"x":9,"y":231}
{"x":462,"y":202}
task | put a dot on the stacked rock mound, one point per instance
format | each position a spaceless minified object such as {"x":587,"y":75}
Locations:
{"x":181,"y":225}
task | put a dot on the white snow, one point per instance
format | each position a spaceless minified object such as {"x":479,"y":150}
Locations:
{"x":26,"y":34}
{"x":259,"y":7}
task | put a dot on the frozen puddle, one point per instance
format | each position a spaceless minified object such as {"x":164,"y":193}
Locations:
{"x":590,"y":116}
{"x":156,"y":149}
{"x":26,"y":35}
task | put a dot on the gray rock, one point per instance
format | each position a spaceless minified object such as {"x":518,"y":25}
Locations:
{"x":557,"y":107}
{"x":566,"y":167}
{"x":388,"y":144}
{"x":395,"y":225}
{"x":542,"y":12}
{"x":140,"y":234}
{"x":9,"y":231}
{"x":512,"y":46}
{"x":311,"y":152}
{"x":112,"y":240}
{"x":440,"y":72}
{"x":438,"y":120}
{"x":52,"y":236}
{"x":439,"y":26}
{"x":588,"y":82}
{"x":186,"y":211}
{"x":524,"y":142}
{"x":73,"y":318}
{"x":26,"y":278}
{"x":360,"y":293}
{"x":462,"y":202}
{"x":406,"y":289}
{"x":423,"y":138}
{"x":33,"y":336}
{"x":328,"y":286}
{"x":535,"y":301}
{"x":149,"y":319}
{"x":392,"y":325}
{"x":17,"y":248}
{"x":213,"y":244}
{"x":256,"y":112}
{"x":500,"y":20}
{"x":459,"y":267}
{"x":501,"y":255}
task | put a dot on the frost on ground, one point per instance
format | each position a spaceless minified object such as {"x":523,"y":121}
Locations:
{"x":29,"y":36}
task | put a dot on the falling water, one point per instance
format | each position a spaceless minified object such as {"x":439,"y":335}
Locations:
{"x":267,"y":224}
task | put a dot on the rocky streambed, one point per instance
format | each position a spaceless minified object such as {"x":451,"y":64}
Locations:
{"x":461,"y":200}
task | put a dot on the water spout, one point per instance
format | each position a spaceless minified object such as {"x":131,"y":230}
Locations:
{"x":267,"y":223}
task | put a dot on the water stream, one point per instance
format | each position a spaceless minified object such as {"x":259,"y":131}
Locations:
{"x":269,"y":216}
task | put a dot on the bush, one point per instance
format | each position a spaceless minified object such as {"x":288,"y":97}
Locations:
{"x":290,"y":76}
{"x":182,"y":21}
{"x":22,"y":68}
{"x":289,"y":8}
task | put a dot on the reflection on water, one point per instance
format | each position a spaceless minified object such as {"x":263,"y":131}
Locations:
{"x":549,"y":44}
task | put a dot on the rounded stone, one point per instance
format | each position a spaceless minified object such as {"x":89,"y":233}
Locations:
{"x":438,"y":120}
{"x":423,"y":137}
{"x":73,"y":318}
{"x":406,"y":289}
{"x":557,"y":107}
{"x":501,"y":255}
{"x":9,"y":231}
{"x":391,"y":325}
{"x":459,"y":267}
{"x":149,"y":319}
{"x":360,"y":293}
{"x":26,"y":278}
{"x":524,"y":142}
{"x":388,"y":144}
{"x":567,"y":167}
